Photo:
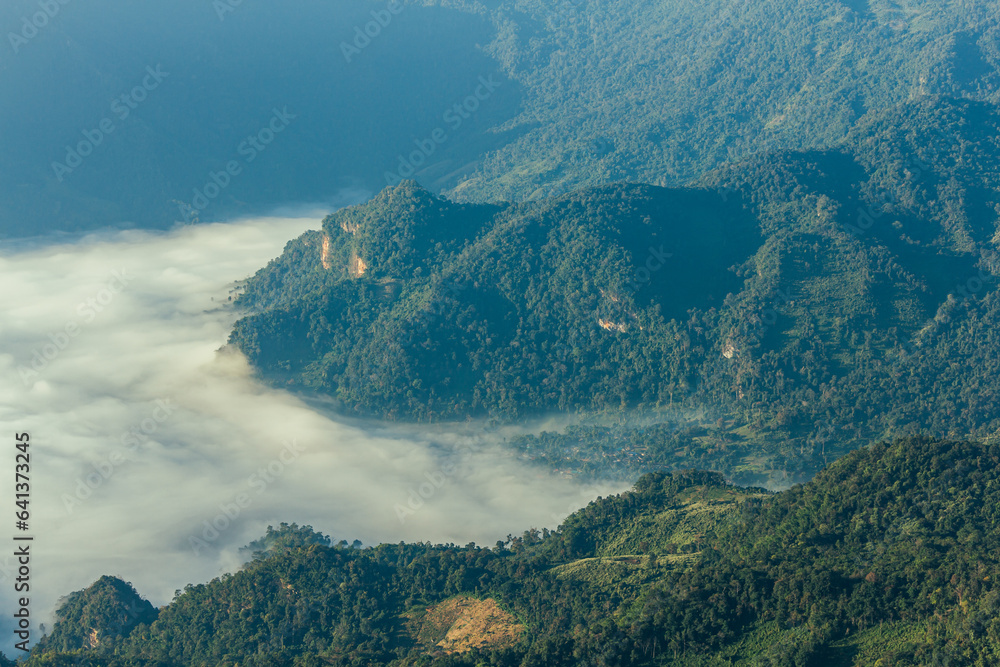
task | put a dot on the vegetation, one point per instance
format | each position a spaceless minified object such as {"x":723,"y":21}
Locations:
{"x":665,"y":92}
{"x":890,"y":556}
{"x":108,"y":610}
{"x":584,"y":93}
{"x":789,"y":310}
{"x":786,"y":252}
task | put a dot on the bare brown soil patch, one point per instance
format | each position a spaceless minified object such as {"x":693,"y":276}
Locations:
{"x":463,"y":623}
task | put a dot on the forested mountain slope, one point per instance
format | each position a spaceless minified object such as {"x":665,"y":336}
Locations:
{"x":891,"y":554}
{"x":662,"y":92}
{"x":580,"y":93}
{"x":805,"y":301}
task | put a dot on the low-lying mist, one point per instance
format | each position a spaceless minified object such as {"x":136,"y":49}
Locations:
{"x":156,"y":454}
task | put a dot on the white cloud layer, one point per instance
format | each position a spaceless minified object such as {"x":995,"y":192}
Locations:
{"x":143,"y":433}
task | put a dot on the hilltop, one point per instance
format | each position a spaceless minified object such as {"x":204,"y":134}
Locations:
{"x":801,"y":303}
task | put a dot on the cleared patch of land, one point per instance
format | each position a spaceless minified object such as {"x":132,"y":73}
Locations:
{"x":463,"y":623}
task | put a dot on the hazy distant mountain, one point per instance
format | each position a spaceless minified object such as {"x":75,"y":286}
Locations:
{"x":248,"y":107}
{"x":489,"y":101}
{"x":660,"y":92}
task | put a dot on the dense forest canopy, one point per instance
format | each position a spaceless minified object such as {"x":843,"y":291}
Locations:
{"x":662,"y":92}
{"x":744,"y":247}
{"x":801,"y":303}
{"x":891,"y":556}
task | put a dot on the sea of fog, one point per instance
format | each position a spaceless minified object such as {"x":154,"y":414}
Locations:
{"x":156,"y":454}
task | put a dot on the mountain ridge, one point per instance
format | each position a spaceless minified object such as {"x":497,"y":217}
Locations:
{"x":808,"y":302}
{"x":890,"y":554}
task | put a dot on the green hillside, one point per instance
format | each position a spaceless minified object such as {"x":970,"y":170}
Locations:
{"x":746,"y":254}
{"x":786,"y":311}
{"x":888,"y":557}
{"x":662,"y":92}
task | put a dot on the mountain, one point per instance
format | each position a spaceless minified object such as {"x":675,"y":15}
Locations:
{"x":461,"y":318}
{"x":484,"y":101}
{"x":108,"y":610}
{"x":890,"y":556}
{"x":145,"y":116}
{"x":795,"y":305}
{"x":664,"y":92}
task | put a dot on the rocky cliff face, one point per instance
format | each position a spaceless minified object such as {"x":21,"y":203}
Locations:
{"x":109,"y":608}
{"x":325,"y":253}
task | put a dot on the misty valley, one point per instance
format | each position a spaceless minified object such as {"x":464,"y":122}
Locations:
{"x":501,"y":333}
